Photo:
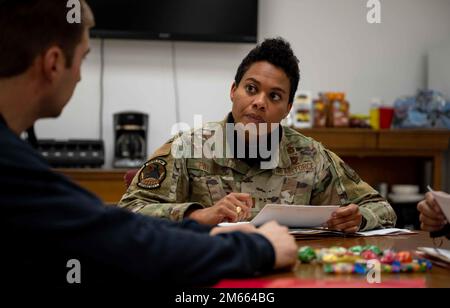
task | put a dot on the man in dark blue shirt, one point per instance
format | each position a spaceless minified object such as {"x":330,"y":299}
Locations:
{"x":47,"y":221}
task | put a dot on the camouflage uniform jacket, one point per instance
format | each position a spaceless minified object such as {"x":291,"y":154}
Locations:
{"x":306,"y":174}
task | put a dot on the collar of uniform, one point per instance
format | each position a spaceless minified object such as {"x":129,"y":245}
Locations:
{"x":240,"y":166}
{"x":232,"y":163}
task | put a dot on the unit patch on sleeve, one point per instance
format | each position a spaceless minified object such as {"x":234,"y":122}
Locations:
{"x":152,"y":174}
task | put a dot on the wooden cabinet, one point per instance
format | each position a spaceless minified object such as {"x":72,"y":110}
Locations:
{"x":109,"y":185}
{"x":391,"y":156}
{"x":343,"y":139}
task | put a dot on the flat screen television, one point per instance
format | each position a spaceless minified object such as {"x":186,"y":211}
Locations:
{"x":184,"y":20}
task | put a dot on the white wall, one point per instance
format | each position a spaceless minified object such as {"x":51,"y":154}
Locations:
{"x":439,"y":69}
{"x":439,"y":79}
{"x":338,"y":50}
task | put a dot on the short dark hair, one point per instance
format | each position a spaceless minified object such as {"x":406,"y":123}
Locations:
{"x":29,"y":27}
{"x":277,"y":52}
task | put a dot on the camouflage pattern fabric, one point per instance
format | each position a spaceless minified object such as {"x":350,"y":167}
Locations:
{"x":305,"y":174}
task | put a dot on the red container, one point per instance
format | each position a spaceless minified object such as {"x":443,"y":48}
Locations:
{"x":386,"y":116}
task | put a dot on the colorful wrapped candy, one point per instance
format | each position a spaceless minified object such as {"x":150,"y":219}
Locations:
{"x":404,"y":257}
{"x":339,"y":251}
{"x":306,"y":254}
{"x":388,"y":257}
{"x":369,"y":255}
{"x":360,"y":268}
{"x":339,"y":260}
{"x":339,"y":268}
{"x":372,"y":248}
{"x":330,"y":258}
{"x":386,"y":268}
{"x":356,"y":250}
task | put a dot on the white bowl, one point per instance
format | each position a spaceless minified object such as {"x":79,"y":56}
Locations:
{"x":410,"y":198}
{"x":405,"y":189}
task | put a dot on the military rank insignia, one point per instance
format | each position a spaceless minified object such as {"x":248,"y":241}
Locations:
{"x":152,"y":174}
{"x":350,"y":173}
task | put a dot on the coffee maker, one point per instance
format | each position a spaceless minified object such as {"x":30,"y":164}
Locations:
{"x":130,"y":139}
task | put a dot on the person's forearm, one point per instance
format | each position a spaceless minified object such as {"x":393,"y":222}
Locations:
{"x":179,"y":256}
{"x":172,"y":211}
{"x":377,"y":215}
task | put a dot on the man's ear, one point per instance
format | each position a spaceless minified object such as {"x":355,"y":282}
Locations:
{"x":233,"y":90}
{"x":53,"y":63}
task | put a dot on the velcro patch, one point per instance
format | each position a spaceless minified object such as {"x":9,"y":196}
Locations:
{"x":152,"y":174}
{"x":295,"y":169}
{"x":203,"y":166}
{"x":304,"y":167}
{"x":350,"y":173}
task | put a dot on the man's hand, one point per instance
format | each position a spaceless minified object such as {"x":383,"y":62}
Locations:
{"x":347,"y":219}
{"x":431,"y":217}
{"x":231,"y":208}
{"x":283,"y":244}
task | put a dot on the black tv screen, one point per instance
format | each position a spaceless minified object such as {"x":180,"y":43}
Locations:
{"x":186,"y":20}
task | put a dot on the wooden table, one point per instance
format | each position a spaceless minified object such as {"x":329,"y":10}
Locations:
{"x":437,"y":277}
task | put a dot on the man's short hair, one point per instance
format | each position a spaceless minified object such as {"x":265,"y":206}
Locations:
{"x":29,"y":27}
{"x":277,"y":52}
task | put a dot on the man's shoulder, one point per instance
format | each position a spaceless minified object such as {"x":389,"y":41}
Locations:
{"x":17,"y":152}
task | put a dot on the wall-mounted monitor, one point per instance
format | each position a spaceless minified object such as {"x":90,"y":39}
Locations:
{"x":184,"y":20}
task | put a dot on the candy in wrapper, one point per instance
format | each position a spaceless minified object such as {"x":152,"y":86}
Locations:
{"x":360,"y":268}
{"x":330,"y":258}
{"x":404,"y":257}
{"x":356,"y":250}
{"x":339,"y":251}
{"x":372,"y":248}
{"x":369,"y":255}
{"x":388,"y":257}
{"x":306,"y":254}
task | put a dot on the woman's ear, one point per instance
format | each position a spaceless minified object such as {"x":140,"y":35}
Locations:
{"x":288,"y":109}
{"x":233,"y":90}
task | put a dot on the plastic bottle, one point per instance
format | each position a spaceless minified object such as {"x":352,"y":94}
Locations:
{"x":338,"y":112}
{"x":375,"y":113}
{"x":302,"y":110}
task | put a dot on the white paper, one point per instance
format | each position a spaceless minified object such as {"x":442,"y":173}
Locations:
{"x":441,"y":254}
{"x":232,"y":224}
{"x":327,"y":232}
{"x":443,"y":200}
{"x":300,"y":216}
{"x":389,"y":231}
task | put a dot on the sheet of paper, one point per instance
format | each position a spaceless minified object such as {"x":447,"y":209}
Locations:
{"x":295,"y":215}
{"x":444,"y":202}
{"x":389,"y":231}
{"x":441,"y":254}
{"x":326,"y":232}
{"x":232,"y":224}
